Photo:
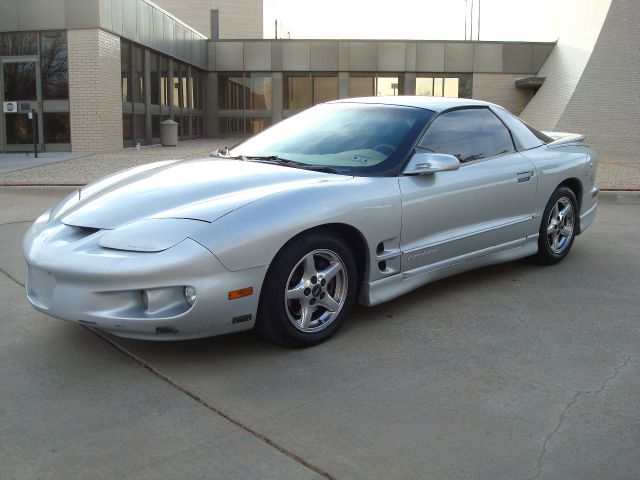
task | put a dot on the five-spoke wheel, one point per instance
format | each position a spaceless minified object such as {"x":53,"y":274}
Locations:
{"x":558,"y":227}
{"x":308,"y":291}
{"x":316,"y":290}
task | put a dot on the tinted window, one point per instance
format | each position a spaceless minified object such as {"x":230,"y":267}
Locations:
{"x":353,"y":138}
{"x":523,"y":136}
{"x":469,"y":134}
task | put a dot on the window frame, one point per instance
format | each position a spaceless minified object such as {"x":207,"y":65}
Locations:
{"x":469,"y":107}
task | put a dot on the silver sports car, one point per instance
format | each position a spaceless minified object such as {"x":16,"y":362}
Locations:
{"x":363,"y":198}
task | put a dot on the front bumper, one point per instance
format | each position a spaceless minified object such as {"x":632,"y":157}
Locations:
{"x":71,"y":277}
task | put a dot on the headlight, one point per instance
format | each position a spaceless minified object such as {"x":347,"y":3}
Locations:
{"x":151,"y":235}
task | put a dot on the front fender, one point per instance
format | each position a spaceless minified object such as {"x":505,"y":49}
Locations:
{"x":252,"y":235}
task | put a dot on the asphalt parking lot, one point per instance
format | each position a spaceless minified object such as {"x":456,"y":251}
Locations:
{"x":509,"y":372}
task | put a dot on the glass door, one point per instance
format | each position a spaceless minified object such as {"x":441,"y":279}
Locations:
{"x":20,"y":94}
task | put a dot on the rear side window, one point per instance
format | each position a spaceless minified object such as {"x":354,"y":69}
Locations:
{"x":469,"y":134}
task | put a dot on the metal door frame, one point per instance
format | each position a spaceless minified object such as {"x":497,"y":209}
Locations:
{"x":3,"y":137}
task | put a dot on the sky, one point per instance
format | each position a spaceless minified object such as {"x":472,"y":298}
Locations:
{"x":502,"y":20}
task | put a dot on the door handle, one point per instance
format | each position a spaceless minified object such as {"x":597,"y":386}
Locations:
{"x":524,"y":176}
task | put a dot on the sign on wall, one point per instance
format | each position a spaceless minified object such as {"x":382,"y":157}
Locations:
{"x":10,"y":107}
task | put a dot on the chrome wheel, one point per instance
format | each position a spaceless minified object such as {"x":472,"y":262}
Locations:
{"x":316,"y":291}
{"x":560,"y":225}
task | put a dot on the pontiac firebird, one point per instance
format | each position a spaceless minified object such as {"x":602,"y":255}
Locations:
{"x":363,"y":199}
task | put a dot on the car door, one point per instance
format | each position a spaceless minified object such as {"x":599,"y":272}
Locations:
{"x":485,"y":206}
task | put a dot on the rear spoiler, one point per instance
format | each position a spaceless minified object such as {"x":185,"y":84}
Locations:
{"x":561,"y":139}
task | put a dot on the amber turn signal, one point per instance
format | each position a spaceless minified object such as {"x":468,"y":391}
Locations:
{"x":243,"y":292}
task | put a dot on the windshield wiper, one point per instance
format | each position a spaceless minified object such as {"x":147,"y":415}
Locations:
{"x":290,"y":163}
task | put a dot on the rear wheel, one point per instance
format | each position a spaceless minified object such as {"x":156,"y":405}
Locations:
{"x":558,"y":227}
{"x":308,"y":291}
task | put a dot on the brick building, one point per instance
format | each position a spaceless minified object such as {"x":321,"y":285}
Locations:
{"x":105,"y":73}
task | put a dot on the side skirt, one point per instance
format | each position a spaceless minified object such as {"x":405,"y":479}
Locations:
{"x":389,"y":288}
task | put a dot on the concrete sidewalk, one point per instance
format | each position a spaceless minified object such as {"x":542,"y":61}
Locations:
{"x":509,"y":372}
{"x":13,"y":162}
{"x":615,"y":171}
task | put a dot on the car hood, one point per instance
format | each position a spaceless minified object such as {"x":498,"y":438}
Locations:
{"x":204,"y":189}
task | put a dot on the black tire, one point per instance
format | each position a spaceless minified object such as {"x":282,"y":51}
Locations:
{"x":285,"y":304}
{"x":554,"y":246}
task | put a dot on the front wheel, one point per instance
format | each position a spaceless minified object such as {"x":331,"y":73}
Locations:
{"x":308,"y":291}
{"x":558,"y":227}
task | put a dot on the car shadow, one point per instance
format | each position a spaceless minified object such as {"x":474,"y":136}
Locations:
{"x":248,"y":344}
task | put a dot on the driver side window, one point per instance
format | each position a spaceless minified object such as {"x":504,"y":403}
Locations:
{"x":468,"y":134}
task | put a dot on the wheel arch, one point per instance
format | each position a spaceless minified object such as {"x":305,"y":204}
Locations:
{"x":575,"y":185}
{"x":350,"y":235}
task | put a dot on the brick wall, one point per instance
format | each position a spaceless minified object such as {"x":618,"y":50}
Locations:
{"x":500,"y":88}
{"x":237,"y":18}
{"x":94,"y":91}
{"x":605,"y":105}
{"x":579,"y":24}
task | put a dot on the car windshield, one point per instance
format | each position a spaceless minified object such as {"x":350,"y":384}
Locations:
{"x":349,"y":138}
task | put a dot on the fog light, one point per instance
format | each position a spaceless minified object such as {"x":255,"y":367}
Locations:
{"x":190,"y":295}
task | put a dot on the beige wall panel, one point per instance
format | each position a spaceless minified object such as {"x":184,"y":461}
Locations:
{"x":605,"y":105}
{"x":296,"y":55}
{"x":517,"y":58}
{"x":458,"y":57}
{"x":363,"y":56}
{"x":257,"y":56}
{"x":391,"y":56}
{"x":581,"y":23}
{"x":410,"y":57}
{"x":500,"y":88}
{"x":95,"y":99}
{"x":430,"y":57}
{"x":238,"y":19}
{"x":229,"y":56}
{"x":34,"y":13}
{"x":324,"y":56}
{"x":9,"y":18}
{"x":487,"y":58}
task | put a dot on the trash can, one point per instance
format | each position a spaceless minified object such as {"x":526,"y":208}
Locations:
{"x":169,"y":133}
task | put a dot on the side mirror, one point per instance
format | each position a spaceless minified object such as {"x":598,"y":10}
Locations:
{"x":423,"y":163}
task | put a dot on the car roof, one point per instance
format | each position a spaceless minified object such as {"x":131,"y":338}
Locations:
{"x":436,"y":104}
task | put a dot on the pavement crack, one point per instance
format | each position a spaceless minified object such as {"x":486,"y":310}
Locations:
{"x":260,"y":436}
{"x":572,"y":401}
{"x":16,"y":222}
{"x":10,"y":277}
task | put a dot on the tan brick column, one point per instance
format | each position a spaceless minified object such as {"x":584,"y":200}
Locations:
{"x":94,"y":91}
{"x":500,"y":88}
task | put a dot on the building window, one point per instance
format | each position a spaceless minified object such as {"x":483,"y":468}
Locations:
{"x":260,"y":91}
{"x":18,"y":44}
{"x":138,"y":74}
{"x":302,"y":91}
{"x":231,"y":91}
{"x":361,"y":86}
{"x":20,"y":81}
{"x":125,"y":69}
{"x":54,"y":66}
{"x":325,"y":89}
{"x":368,"y":85}
{"x":257,"y":124}
{"x":444,"y":86}
{"x":298,"y":92}
{"x":386,"y":86}
{"x":56,"y":128}
{"x":231,"y":125}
